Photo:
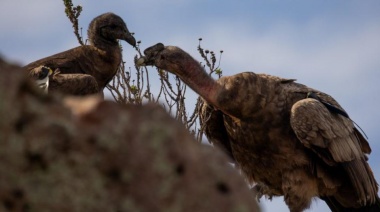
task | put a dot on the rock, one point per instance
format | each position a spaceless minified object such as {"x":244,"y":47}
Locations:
{"x":84,"y":154}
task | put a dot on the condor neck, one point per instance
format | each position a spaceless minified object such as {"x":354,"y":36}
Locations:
{"x":102,"y":43}
{"x":200,"y":81}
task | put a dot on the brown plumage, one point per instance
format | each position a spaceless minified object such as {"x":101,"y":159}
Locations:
{"x":88,"y":69}
{"x":292,"y":140}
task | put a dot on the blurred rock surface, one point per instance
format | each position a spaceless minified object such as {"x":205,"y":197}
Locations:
{"x":84,"y":154}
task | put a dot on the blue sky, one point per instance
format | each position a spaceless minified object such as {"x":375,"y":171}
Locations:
{"x":333,"y":46}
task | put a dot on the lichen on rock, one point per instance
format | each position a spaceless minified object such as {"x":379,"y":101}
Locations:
{"x":84,"y":154}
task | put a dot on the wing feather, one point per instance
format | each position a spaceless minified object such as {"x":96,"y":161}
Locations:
{"x":315,"y":125}
{"x":68,"y":61}
{"x":335,"y":140}
{"x":74,"y":84}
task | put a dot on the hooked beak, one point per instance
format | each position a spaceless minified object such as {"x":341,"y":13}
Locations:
{"x":150,"y":55}
{"x":128,"y":37}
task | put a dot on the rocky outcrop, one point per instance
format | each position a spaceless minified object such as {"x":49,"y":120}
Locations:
{"x":84,"y":154}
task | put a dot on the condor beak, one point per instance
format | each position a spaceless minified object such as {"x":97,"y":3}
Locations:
{"x":150,"y":55}
{"x":129,"y":38}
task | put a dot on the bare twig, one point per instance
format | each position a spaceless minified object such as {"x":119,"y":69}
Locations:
{"x":73,"y":14}
{"x":172,"y":92}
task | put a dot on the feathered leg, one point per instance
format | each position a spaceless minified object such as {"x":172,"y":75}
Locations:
{"x":299,"y":189}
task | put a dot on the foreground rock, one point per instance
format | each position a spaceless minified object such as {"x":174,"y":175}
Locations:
{"x":90,"y":155}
